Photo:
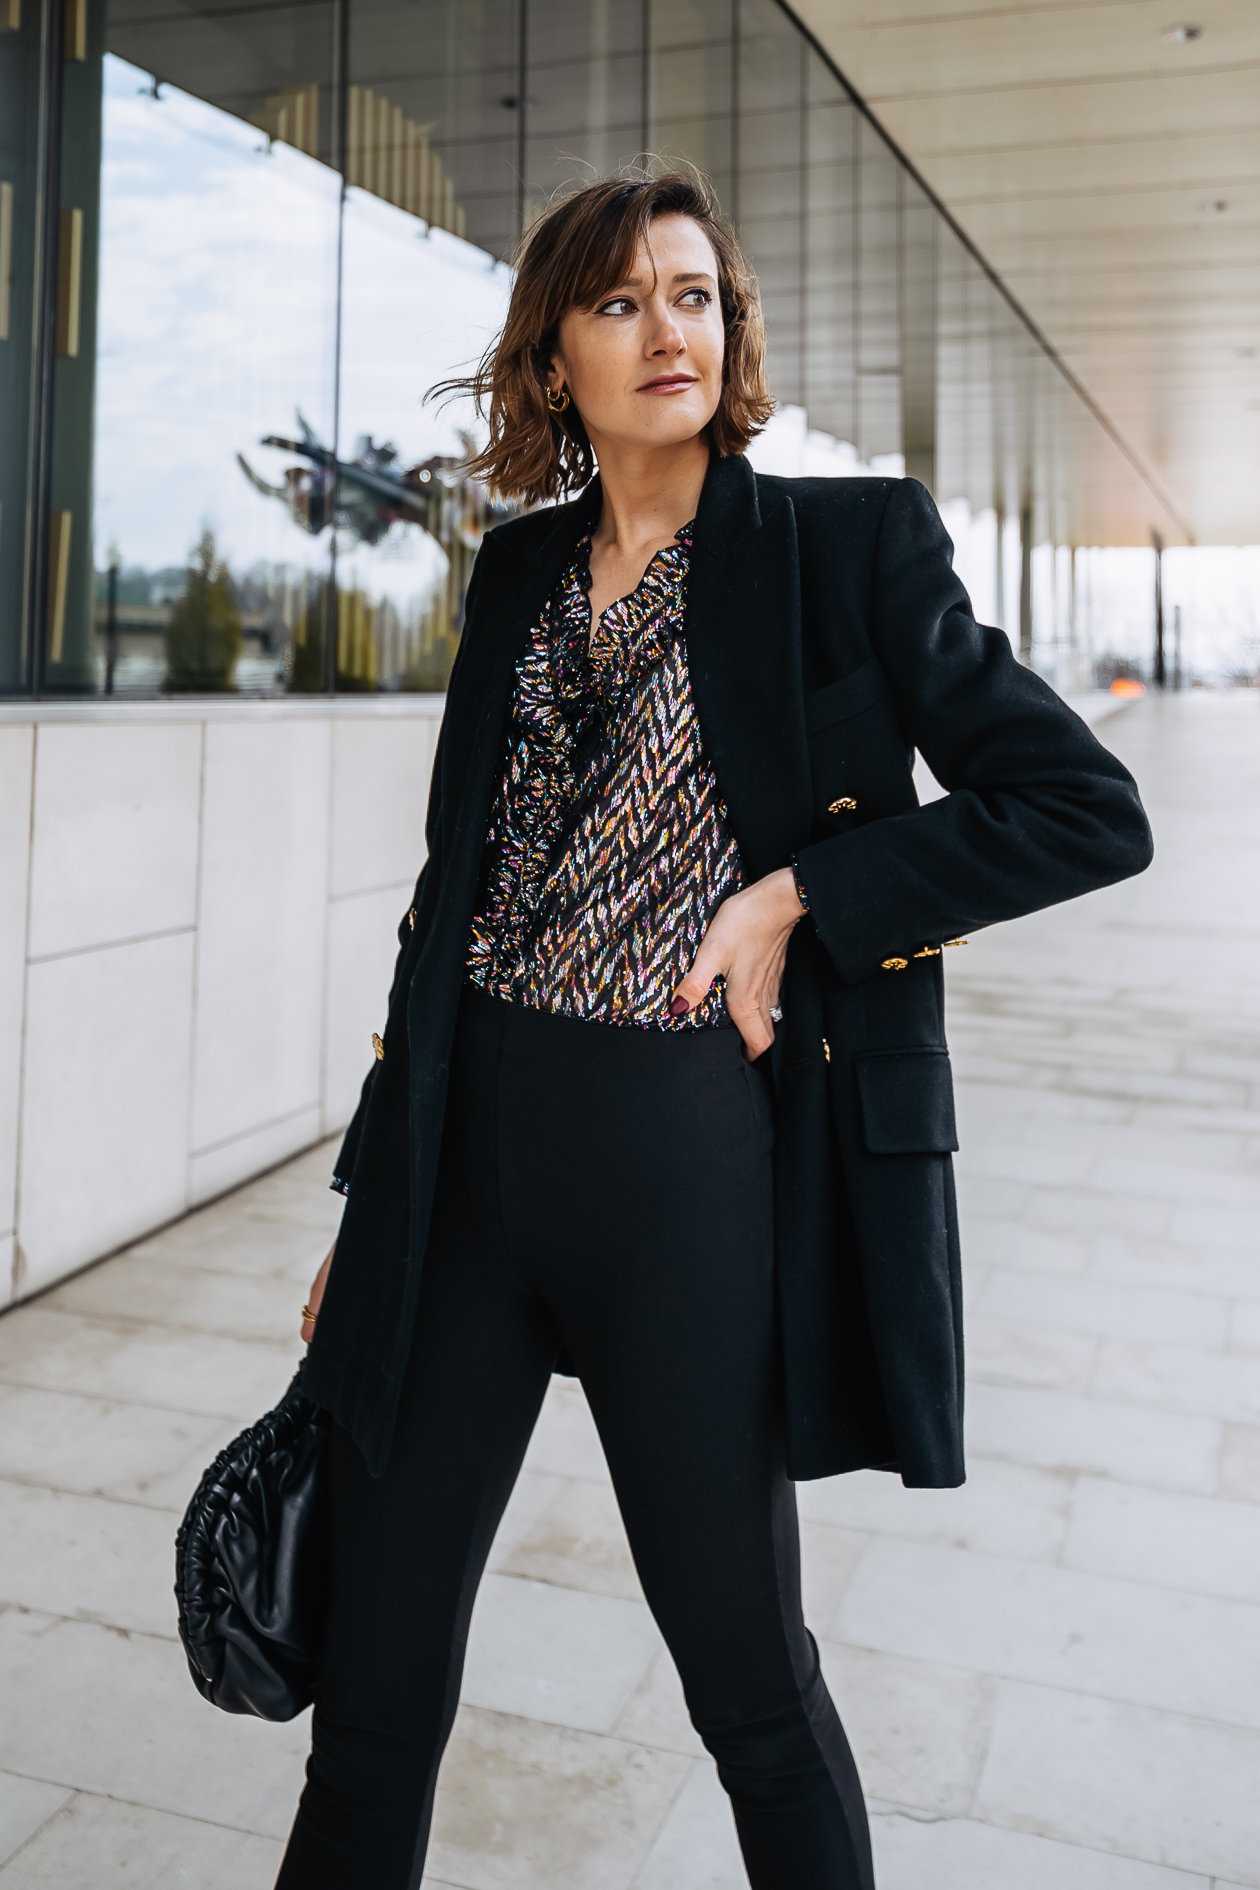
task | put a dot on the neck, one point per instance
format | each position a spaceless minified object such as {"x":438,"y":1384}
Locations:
{"x":649,"y":493}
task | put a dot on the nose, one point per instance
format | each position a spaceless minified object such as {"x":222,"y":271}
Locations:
{"x":665,"y":335}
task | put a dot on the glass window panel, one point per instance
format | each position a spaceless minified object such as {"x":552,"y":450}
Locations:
{"x":768,"y":196}
{"x":432,"y":206}
{"x":771,"y":55}
{"x":195,"y":561}
{"x":418,"y":305}
{"x":557,"y":31}
{"x":257,"y":62}
{"x":678,"y":24}
{"x":434,"y":113}
{"x":689,"y":86}
{"x":586,"y":95}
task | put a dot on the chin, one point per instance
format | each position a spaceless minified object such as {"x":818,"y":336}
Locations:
{"x":674,"y":428}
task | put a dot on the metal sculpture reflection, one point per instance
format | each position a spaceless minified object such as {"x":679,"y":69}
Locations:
{"x":372,"y":492}
{"x":364,"y":498}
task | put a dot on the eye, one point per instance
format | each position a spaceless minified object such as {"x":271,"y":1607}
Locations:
{"x":703,"y":301}
{"x":616,"y":305}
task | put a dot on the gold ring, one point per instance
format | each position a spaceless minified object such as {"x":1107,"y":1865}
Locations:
{"x":308,"y":1314}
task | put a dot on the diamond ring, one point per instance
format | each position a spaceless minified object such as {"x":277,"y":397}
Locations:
{"x":776,"y":1015}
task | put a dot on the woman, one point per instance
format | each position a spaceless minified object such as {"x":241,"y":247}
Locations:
{"x":663,"y":1097}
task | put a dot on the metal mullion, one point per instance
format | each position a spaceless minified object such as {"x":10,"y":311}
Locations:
{"x":802,"y":213}
{"x":735,"y":113}
{"x":645,"y":88}
{"x":41,"y":461}
{"x":522,"y":110}
{"x":341,"y":109}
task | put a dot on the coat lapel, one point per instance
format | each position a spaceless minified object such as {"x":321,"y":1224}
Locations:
{"x":743,"y":631}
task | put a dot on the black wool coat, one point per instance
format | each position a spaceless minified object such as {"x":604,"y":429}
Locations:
{"x":827,"y":640}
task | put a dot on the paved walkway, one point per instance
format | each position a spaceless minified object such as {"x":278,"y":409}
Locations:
{"x":1051,"y":1677}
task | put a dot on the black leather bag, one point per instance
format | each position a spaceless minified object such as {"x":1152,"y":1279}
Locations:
{"x":251,"y":1564}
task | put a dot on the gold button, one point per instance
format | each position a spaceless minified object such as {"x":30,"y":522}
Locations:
{"x":845,"y":805}
{"x":379,"y":1048}
{"x":411,"y":918}
{"x":894,"y":964}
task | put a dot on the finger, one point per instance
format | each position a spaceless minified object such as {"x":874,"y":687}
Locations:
{"x":705,"y":967}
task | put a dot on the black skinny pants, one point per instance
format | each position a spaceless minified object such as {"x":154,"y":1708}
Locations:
{"x":607,"y":1189}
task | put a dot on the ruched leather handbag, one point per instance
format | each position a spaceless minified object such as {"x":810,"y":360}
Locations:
{"x":251,"y":1564}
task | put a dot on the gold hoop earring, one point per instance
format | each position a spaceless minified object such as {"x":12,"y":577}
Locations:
{"x":558,"y":402}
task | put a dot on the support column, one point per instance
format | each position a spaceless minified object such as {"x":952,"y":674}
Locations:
{"x":1158,"y":672}
{"x":1176,"y":646}
{"x":917,"y":306}
{"x":1025,"y":586}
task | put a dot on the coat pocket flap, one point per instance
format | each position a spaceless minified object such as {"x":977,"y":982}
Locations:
{"x":907,"y":1102}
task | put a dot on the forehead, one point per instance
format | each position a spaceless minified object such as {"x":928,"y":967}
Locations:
{"x":675,"y":244}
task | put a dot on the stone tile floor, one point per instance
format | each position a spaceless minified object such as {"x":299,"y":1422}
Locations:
{"x":1051,"y":1677}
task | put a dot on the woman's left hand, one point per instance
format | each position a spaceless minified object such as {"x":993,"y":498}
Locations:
{"x":746,"y":943}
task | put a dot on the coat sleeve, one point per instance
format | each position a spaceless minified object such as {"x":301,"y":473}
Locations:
{"x":430,"y":873}
{"x":343,"y":1168}
{"x":1036,"y":809}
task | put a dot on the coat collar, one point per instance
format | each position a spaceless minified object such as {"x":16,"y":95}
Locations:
{"x":729,"y":511}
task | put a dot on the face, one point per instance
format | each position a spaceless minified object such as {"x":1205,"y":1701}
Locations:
{"x":644,"y":367}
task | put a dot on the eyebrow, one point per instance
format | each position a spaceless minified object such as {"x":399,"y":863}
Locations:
{"x":690,"y":275}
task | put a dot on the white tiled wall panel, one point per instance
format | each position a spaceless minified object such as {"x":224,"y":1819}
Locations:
{"x":380,"y":793}
{"x":215,"y":891}
{"x":16,"y":751}
{"x":115,"y":833}
{"x":260,"y":962}
{"x":227,"y":1166}
{"x":362,"y":949}
{"x":104,"y":1101}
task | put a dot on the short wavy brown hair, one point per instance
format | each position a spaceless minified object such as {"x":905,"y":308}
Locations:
{"x":573,"y":256}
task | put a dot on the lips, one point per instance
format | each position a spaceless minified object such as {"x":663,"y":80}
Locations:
{"x":669,"y":384}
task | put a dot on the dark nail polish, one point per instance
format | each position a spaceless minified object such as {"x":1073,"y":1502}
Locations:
{"x":679,"y":1007}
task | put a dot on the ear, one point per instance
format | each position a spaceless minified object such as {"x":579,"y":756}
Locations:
{"x":557,"y":367}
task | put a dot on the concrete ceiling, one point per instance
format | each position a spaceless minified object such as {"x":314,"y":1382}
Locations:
{"x":1111,"y":176}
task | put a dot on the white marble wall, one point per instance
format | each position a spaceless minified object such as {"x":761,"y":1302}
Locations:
{"x":197,"y":931}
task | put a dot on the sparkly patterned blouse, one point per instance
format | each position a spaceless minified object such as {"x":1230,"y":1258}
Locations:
{"x":608,"y":850}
